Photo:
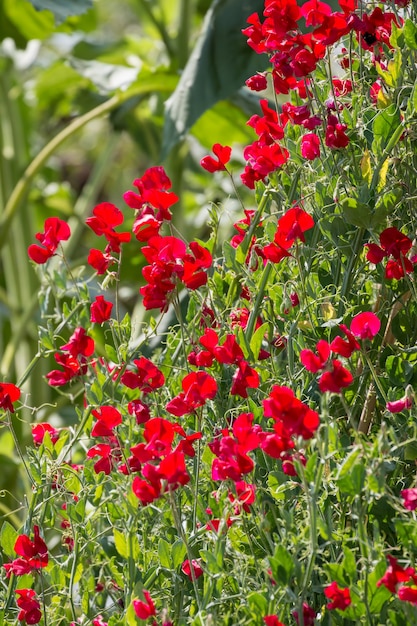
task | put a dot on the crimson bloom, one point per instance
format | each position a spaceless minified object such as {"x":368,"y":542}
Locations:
{"x":33,"y":555}
{"x":339,"y":597}
{"x":196,"y":565}
{"x":336,"y":378}
{"x":30,"y":608}
{"x":223,"y":154}
{"x":272,"y":620}
{"x":107,"y":419}
{"x":198,"y":387}
{"x":144,"y":609}
{"x":105,"y":217}
{"x":100,"y":310}
{"x":147,"y":377}
{"x":408,"y":594}
{"x":9,"y":394}
{"x":39,"y":431}
{"x":55,"y":230}
{"x":245,"y":377}
{"x":395,"y":575}
{"x":393,"y":243}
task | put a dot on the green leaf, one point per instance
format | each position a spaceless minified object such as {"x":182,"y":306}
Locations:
{"x":257,"y":338}
{"x":385,"y":123}
{"x":218,"y":66}
{"x":8,"y":536}
{"x":20,"y":21}
{"x":351,"y":475}
{"x":410,"y":34}
{"x":164,"y":553}
{"x":63,"y":8}
{"x":120,"y":543}
{"x":282,"y":566}
{"x":356,"y":213}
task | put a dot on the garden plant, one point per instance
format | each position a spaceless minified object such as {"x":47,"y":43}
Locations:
{"x":240,"y":447}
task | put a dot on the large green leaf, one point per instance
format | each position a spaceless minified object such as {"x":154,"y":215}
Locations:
{"x":219,"y":64}
{"x":62,"y":9}
{"x":20,"y":21}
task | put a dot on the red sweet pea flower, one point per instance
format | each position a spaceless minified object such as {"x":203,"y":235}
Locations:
{"x":223,"y":154}
{"x":107,"y":419}
{"x":335,"y":133}
{"x":9,"y":394}
{"x":272,"y":620}
{"x":365,"y":325}
{"x":340,"y":597}
{"x":310,"y":146}
{"x":140,"y":410}
{"x":153,"y":198}
{"x":257,"y":82}
{"x":100,"y":310}
{"x":410,"y":498}
{"x":39,"y":431}
{"x":245,"y":377}
{"x":309,"y":615}
{"x":245,"y":496}
{"x":100,"y":261}
{"x":147,"y":378}
{"x":30,"y":608}
{"x":144,"y":609}
{"x":105,"y":216}
{"x":55,"y":230}
{"x":72,"y":369}
{"x":408,"y":594}
{"x":196,"y":565}
{"x":296,"y":417}
{"x":397,"y":406}
{"x":34,"y":555}
{"x":336,"y":379}
{"x":198,"y":387}
{"x":107,"y":455}
{"x":79,"y":344}
{"x":316,"y":362}
{"x":395,"y":575}
{"x":393,"y":243}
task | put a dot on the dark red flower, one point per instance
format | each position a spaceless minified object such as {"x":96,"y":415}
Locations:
{"x":339,"y":597}
{"x":309,"y":615}
{"x":245,"y":377}
{"x":100,"y":310}
{"x":335,"y":379}
{"x":30,"y":608}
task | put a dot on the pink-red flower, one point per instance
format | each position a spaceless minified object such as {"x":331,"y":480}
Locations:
{"x":310,"y":146}
{"x":339,"y":596}
{"x":395,"y":575}
{"x":365,"y":325}
{"x":409,"y":497}
{"x":147,"y":376}
{"x":146,"y":608}
{"x":195,"y":565}
{"x":393,"y":243}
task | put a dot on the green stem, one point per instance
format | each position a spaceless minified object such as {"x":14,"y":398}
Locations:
{"x":257,"y":306}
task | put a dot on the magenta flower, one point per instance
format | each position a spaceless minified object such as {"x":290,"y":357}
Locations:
{"x":410,"y":498}
{"x":365,"y":325}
